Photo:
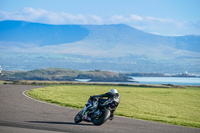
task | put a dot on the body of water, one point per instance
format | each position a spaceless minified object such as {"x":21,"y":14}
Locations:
{"x":168,"y":80}
{"x":159,"y":80}
{"x":83,"y":80}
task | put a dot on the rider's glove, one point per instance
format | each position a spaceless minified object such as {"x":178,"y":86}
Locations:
{"x":91,"y":97}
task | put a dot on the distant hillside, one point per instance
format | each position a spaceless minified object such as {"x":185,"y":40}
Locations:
{"x":103,"y":36}
{"x":126,"y":35}
{"x":59,"y":74}
{"x":40,"y":34}
{"x":115,"y":47}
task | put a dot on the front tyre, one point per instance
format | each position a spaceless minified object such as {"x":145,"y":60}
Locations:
{"x":78,"y":117}
{"x":103,"y":118}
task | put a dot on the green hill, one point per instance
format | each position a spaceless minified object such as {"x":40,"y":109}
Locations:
{"x":61,"y":74}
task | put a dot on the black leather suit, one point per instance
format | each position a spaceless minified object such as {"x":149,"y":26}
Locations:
{"x":108,"y":96}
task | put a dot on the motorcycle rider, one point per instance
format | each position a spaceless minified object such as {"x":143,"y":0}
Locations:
{"x":112,"y":95}
{"x":0,"y":69}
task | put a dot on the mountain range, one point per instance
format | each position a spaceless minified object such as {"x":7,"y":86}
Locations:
{"x":116,"y":47}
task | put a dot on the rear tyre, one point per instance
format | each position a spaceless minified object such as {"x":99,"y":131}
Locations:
{"x":78,"y":117}
{"x":103,"y":118}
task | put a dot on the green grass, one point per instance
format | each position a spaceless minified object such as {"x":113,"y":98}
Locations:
{"x":1,"y":82}
{"x":178,"y":106}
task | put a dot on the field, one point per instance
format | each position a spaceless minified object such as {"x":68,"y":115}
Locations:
{"x":178,"y":106}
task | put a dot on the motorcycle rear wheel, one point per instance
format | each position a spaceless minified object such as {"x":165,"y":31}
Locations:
{"x":103,"y":118}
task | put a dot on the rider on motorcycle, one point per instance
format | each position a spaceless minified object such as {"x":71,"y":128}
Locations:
{"x":112,"y":95}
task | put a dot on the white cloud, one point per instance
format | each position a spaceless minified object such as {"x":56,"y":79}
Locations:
{"x":117,"y":19}
{"x":136,"y":17}
{"x":31,"y":13}
{"x":43,"y":16}
{"x":122,"y":19}
{"x":158,"y":19}
{"x":97,"y":19}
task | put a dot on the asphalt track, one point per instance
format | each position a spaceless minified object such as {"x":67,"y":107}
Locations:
{"x":20,"y":114}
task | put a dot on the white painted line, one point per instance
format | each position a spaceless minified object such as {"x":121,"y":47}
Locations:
{"x":24,"y":93}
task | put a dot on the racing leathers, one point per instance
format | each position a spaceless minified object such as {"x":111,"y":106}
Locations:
{"x":108,"y":96}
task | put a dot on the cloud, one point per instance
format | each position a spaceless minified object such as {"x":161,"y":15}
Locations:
{"x":121,"y":19}
{"x":43,"y":16}
{"x":136,"y":17}
{"x":158,"y":19}
{"x":117,"y":19}
{"x":31,"y":13}
{"x":149,"y":24}
{"x":97,"y":19}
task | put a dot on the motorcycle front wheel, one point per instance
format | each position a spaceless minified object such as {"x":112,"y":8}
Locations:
{"x":78,"y":117}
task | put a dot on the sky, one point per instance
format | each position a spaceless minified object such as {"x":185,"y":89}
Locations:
{"x":162,"y":17}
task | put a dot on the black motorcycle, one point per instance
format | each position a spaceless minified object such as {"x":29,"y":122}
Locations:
{"x":97,"y":110}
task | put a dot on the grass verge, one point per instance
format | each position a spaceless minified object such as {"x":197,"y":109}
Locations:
{"x":178,"y":106}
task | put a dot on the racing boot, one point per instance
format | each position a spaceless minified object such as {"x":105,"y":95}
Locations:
{"x":111,"y":116}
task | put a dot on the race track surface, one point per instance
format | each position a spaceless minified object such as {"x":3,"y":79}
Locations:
{"x":20,"y":114}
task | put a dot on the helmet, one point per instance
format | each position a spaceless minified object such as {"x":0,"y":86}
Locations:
{"x":113,"y":91}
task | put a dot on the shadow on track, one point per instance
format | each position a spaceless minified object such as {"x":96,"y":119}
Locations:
{"x":54,"y":122}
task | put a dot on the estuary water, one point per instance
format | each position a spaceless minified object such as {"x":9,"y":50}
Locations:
{"x":193,"y":81}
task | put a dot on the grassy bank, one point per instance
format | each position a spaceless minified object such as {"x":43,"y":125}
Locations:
{"x":179,"y":106}
{"x":47,"y":83}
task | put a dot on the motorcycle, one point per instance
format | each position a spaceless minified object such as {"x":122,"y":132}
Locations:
{"x":97,"y":111}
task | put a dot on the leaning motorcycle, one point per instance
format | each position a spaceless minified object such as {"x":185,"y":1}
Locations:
{"x":97,"y":110}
